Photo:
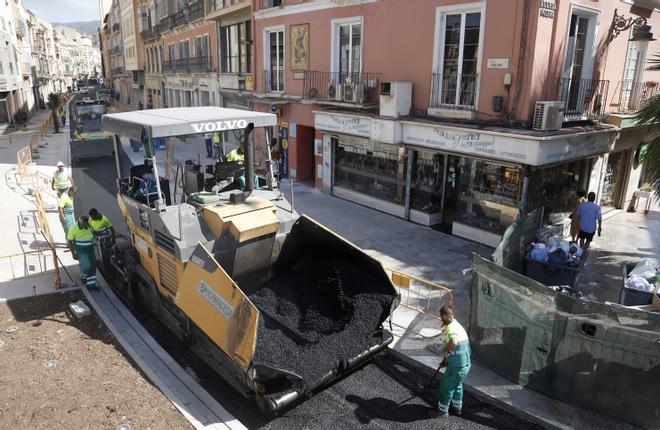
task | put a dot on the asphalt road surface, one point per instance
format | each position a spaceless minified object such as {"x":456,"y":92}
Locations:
{"x":382,"y":395}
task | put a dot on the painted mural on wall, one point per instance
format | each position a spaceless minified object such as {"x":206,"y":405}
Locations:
{"x":299,"y":37}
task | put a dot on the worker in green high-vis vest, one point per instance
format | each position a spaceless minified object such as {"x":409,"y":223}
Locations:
{"x":80,"y":240}
{"x":457,"y":356}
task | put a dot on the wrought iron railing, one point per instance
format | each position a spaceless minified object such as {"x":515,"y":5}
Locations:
{"x":200,"y":64}
{"x":338,"y":87}
{"x":190,"y":13}
{"x":216,"y":5}
{"x":168,"y":66}
{"x":583,"y":98}
{"x":271,"y":3}
{"x":634,"y":95}
{"x":453,"y":91}
{"x":117,"y":70}
{"x":274,"y":81}
{"x":115,"y":50}
{"x":147,"y":34}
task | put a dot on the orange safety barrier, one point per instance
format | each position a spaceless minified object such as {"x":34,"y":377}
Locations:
{"x":44,"y":227}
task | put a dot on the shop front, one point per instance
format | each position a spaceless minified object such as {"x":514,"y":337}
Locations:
{"x":470,"y":183}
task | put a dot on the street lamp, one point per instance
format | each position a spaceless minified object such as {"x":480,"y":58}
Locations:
{"x":641,"y":29}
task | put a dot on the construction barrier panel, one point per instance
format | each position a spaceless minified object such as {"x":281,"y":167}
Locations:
{"x":23,"y":159}
{"x":422,"y":296}
{"x":599,"y":356}
{"x":44,"y":227}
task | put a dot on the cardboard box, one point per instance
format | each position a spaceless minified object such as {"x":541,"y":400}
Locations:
{"x":656,"y":298}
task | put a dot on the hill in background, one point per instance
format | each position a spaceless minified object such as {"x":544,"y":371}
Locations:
{"x":89,"y":28}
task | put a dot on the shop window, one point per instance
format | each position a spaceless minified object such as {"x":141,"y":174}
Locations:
{"x":555,"y":189}
{"x":371,"y":168}
{"x":488,"y":195}
{"x":426,"y":184}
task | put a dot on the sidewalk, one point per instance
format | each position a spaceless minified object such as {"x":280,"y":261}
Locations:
{"x":23,"y":250}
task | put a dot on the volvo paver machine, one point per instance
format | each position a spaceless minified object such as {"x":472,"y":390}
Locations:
{"x":276,"y":303}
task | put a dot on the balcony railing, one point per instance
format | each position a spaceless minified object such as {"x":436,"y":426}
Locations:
{"x":168,"y":66}
{"x":274,"y":81}
{"x":271,"y":3}
{"x":147,"y":34}
{"x":337,"y":87}
{"x":190,"y":13}
{"x":200,"y":64}
{"x":115,"y":50}
{"x":216,"y":5}
{"x":453,"y":91}
{"x":117,"y":70}
{"x":634,"y":95}
{"x":584,"y":99}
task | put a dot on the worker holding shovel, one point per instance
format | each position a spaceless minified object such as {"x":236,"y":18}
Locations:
{"x":457,"y":356}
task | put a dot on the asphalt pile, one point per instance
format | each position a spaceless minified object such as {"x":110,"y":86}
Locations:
{"x":317,"y":316}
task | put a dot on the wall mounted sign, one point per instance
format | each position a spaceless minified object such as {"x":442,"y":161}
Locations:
{"x":355,"y":125}
{"x":547,"y":8}
{"x":298,"y":76}
{"x":498,"y":63}
{"x":299,"y":37}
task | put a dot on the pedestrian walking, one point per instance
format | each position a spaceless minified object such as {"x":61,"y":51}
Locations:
{"x":65,"y":209}
{"x":208,"y":141}
{"x":61,"y":181}
{"x":80,"y":241}
{"x":591,"y":220}
{"x":457,"y":356}
{"x":575,"y":219}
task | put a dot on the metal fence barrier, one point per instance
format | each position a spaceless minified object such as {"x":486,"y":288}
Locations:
{"x":420,"y":295}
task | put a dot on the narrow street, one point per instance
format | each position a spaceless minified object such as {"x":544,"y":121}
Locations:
{"x":383,"y":394}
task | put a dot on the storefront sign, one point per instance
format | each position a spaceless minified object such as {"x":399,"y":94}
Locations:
{"x":468,"y":142}
{"x":574,"y":147}
{"x":348,"y":124}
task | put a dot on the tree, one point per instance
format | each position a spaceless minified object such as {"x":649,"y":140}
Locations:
{"x":53,"y":104}
{"x":650,"y":115}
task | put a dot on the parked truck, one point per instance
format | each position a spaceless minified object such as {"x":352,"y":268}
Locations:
{"x":87,"y":138}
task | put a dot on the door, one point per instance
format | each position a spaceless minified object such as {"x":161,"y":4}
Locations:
{"x":630,"y":86}
{"x":575,"y":68}
{"x":452,"y":193}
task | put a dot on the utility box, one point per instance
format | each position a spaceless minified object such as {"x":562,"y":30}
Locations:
{"x":395,"y":99}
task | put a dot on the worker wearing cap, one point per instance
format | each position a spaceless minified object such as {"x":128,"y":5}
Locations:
{"x":65,"y":209}
{"x":61,"y":181}
{"x":80,"y":240}
{"x":457,"y":356}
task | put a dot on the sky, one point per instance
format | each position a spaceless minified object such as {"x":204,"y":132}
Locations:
{"x":64,"y":10}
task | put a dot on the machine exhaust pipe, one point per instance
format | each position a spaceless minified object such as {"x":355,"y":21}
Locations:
{"x":248,"y":145}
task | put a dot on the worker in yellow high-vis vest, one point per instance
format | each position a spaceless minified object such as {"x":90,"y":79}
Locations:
{"x":80,"y":240}
{"x":62,"y":180}
{"x":216,"y":145}
{"x":457,"y":356}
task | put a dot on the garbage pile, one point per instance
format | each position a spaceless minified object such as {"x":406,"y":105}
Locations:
{"x":643,"y":277}
{"x":558,"y":251}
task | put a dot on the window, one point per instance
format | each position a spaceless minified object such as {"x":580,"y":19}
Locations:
{"x":274,"y":73}
{"x":235,"y":48}
{"x":459,"y":58}
{"x":350,"y":48}
{"x":170,"y":52}
{"x":631,"y":87}
{"x":184,"y":49}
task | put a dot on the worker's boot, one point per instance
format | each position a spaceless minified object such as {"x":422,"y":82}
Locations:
{"x":437,"y":413}
{"x":457,"y":412}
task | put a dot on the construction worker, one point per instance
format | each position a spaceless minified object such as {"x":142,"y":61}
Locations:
{"x":208,"y":142}
{"x":237,"y":154}
{"x":61,"y":181}
{"x":216,"y":145}
{"x":80,"y":240}
{"x":62,"y":114}
{"x":457,"y":357}
{"x":65,"y":208}
{"x":101,"y":225}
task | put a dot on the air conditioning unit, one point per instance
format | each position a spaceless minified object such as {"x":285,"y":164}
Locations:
{"x":334,"y":91}
{"x":395,"y":99}
{"x":351,"y":93}
{"x":548,"y":115}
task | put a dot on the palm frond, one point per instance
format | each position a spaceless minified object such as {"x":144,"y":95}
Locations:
{"x":650,"y":113}
{"x":651,"y":161}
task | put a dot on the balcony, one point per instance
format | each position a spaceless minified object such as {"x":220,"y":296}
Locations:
{"x":271,"y":3}
{"x":117,"y":70}
{"x":357,"y":89}
{"x":188,"y":14}
{"x":633,"y":96}
{"x":584,"y":99}
{"x":147,"y":34}
{"x":200,"y":64}
{"x":273,"y":81}
{"x":168,"y":66}
{"x":115,"y":50}
{"x":213,"y":6}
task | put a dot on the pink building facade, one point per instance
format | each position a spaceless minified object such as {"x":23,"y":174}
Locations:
{"x":428,"y":109}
